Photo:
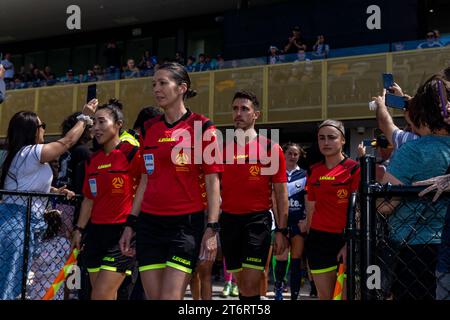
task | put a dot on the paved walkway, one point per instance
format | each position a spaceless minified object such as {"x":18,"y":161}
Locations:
{"x":218,"y":286}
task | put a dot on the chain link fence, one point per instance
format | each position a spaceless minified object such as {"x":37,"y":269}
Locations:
{"x":394,"y":240}
{"x":35,"y":231}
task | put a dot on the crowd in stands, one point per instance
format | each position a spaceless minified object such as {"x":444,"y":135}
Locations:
{"x":294,"y":49}
{"x":32,"y":76}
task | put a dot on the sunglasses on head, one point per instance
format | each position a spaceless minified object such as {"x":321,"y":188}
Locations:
{"x":42,"y":125}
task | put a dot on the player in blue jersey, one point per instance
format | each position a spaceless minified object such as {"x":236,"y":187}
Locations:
{"x":296,"y":182}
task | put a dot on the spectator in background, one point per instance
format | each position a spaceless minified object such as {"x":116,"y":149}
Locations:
{"x":202,"y":65}
{"x":90,"y":76}
{"x":320,"y":48}
{"x":295,"y":42}
{"x":273,"y":57}
{"x":131,"y":71}
{"x":211,"y":63}
{"x":437,"y":37}
{"x":49,"y":76}
{"x":37,"y":78}
{"x":9,"y":68}
{"x":2,"y":84}
{"x":69,"y":78}
{"x":148,"y":70}
{"x":301,"y":56}
{"x":98,"y":72}
{"x":179,"y":58}
{"x":190,"y":65}
{"x":220,"y":62}
{"x":431,"y":42}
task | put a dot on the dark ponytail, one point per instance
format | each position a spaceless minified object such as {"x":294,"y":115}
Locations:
{"x":180,"y":76}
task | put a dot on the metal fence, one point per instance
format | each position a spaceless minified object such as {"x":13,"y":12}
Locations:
{"x":393,"y":241}
{"x":35,"y":233}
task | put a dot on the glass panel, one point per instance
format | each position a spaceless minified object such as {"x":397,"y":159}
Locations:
{"x":135,"y":94}
{"x":200,"y":83}
{"x":55,"y":104}
{"x":352,"y":83}
{"x":227,"y":82}
{"x":38,"y":58}
{"x":295,"y":92}
{"x":15,"y":101}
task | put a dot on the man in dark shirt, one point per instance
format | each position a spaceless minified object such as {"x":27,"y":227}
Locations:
{"x":295,"y":42}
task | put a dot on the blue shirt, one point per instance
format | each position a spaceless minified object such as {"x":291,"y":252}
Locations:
{"x":419,"y":221}
{"x":296,"y":192}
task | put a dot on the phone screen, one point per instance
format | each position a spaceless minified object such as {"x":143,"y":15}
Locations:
{"x":388,"y":80}
{"x":394,"y":101}
{"x":91,"y":92}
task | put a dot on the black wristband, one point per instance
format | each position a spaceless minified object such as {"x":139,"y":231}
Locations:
{"x":283,"y":231}
{"x":131,"y":221}
{"x":77,"y":227}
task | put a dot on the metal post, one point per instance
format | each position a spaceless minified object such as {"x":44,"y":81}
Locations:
{"x":351,"y":235}
{"x":26,"y":249}
{"x":368,"y":223}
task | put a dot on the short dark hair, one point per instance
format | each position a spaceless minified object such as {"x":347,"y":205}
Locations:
{"x":290,"y":144}
{"x":70,"y":122}
{"x":144,"y":115}
{"x":244,"y":94}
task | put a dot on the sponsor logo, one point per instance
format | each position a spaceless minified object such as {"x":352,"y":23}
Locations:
{"x":254,"y":171}
{"x":342,"y":193}
{"x":183,"y":261}
{"x":117,"y":183}
{"x":250,"y":259}
{"x":162,"y":140}
{"x":326,"y":178}
{"x":182,"y":159}
{"x":104,"y":166}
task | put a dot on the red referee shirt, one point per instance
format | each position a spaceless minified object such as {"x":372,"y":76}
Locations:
{"x":331,"y":189}
{"x":110,"y":181}
{"x":244,"y":188}
{"x":175,"y":187}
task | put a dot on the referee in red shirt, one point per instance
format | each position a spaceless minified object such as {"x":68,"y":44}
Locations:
{"x":247,"y":189}
{"x":330,"y":184}
{"x":168,"y":210}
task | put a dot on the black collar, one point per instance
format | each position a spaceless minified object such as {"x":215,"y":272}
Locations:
{"x":171,"y":125}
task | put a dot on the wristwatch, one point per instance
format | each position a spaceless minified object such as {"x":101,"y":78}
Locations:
{"x":215,"y":226}
{"x":284,"y":231}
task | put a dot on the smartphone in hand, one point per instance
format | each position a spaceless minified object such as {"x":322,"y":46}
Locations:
{"x":388,"y":80}
{"x":91,"y":92}
{"x":394,"y":101}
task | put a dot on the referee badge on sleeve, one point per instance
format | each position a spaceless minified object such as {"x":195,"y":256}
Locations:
{"x":149,"y":161}
{"x":93,"y":186}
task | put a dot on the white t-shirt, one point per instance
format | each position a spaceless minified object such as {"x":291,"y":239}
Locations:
{"x":27,"y":173}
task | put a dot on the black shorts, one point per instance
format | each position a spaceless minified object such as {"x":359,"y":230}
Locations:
{"x":293,"y":227}
{"x":102,"y":251}
{"x":169,"y":241}
{"x":321,"y":249}
{"x":245,"y":239}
